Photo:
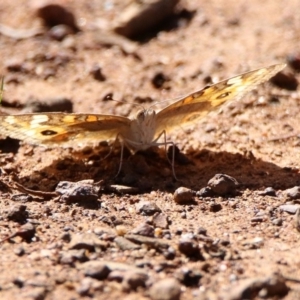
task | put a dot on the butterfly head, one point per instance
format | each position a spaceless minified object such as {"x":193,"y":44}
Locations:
{"x":145,"y":115}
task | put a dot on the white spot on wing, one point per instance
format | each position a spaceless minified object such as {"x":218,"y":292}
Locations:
{"x":38,"y":119}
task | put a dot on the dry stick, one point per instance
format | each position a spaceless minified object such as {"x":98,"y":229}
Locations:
{"x":45,"y":195}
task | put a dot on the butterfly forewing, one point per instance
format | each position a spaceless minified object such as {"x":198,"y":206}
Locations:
{"x":197,"y":105}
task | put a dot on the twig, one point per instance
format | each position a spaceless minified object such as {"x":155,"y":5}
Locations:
{"x":45,"y":195}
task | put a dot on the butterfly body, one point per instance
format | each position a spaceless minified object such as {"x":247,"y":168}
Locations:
{"x":141,"y":133}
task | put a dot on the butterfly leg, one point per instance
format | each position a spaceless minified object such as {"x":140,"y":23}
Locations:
{"x":165,"y":143}
{"x":112,"y":147}
{"x":121,"y":157}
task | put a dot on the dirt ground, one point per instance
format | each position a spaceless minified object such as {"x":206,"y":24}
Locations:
{"x":70,"y":229}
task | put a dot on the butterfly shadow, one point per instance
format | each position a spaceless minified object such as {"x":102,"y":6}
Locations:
{"x":151,"y":171}
{"x":252,"y":173}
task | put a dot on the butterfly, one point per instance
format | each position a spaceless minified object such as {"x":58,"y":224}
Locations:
{"x":137,"y":133}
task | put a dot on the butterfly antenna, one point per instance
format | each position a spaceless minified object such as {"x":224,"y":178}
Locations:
{"x":109,"y":97}
{"x":163,"y":101}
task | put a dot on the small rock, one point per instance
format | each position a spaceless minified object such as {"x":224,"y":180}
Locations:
{"x":215,"y":207}
{"x":26,"y":232}
{"x":88,"y":286}
{"x":49,"y":105}
{"x":170,"y":253}
{"x":273,"y":285}
{"x":97,"y":74}
{"x":202,"y":231}
{"x":14,"y":65}
{"x":159,"y":80}
{"x":297,"y":219}
{"x":71,"y":256}
{"x":155,"y":243}
{"x":54,"y":13}
{"x":95,"y":269}
{"x":188,"y":277}
{"x":144,"y":229}
{"x":160,"y":220}
{"x":77,"y":191}
{"x":165,"y":289}
{"x":277,"y":222}
{"x":269,"y":191}
{"x":293,"y":61}
{"x":122,"y":189}
{"x":116,"y":266}
{"x":19,"y":282}
{"x":188,"y":245}
{"x":59,"y":32}
{"x":292,"y":193}
{"x":222,"y":184}
{"x":147,"y":208}
{"x":21,"y":198}
{"x":19,"y":251}
{"x":36,"y":293}
{"x":254,"y":243}
{"x":183,"y":195}
{"x":285,"y":81}
{"x":140,"y":17}
{"x":66,"y":237}
{"x":257,"y":219}
{"x":125,"y":244}
{"x":133,"y":280}
{"x":205,"y":192}
{"x":88,"y":241}
{"x":290,"y":208}
{"x":116,"y":276}
{"x":18,"y":213}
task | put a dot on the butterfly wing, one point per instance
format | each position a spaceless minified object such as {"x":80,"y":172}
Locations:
{"x":67,"y":130}
{"x":197,"y":105}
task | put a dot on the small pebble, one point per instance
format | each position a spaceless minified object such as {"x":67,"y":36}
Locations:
{"x":293,"y":61}
{"x":133,"y":280}
{"x":144,"y":229}
{"x":77,"y":191}
{"x":269,"y":191}
{"x":125,"y":244}
{"x":222,"y":184}
{"x":159,"y":79}
{"x":147,"y":208}
{"x":183,"y":195}
{"x":292,"y":193}
{"x":19,"y":251}
{"x":161,"y":220}
{"x":286,"y":81}
{"x":165,"y":289}
{"x":215,"y":207}
{"x":95,"y":269}
{"x":54,"y":13}
{"x":188,"y":245}
{"x":205,"y":192}
{"x":59,"y":32}
{"x":290,"y":208}
{"x":277,"y":222}
{"x":297,"y":219}
{"x":18,"y":213}
{"x":97,"y":73}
